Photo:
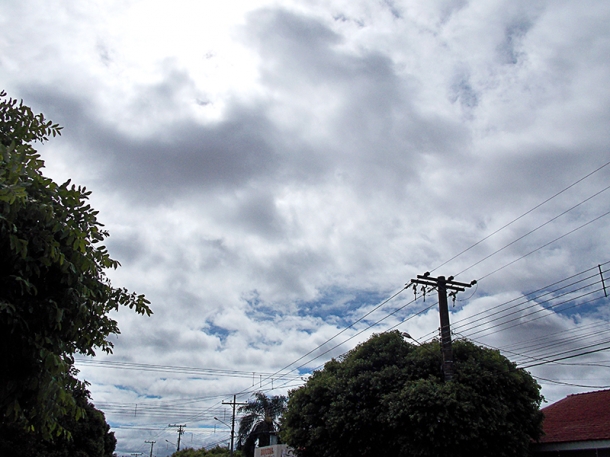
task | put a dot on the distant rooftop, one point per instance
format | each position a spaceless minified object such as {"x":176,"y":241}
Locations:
{"x":579,"y":417}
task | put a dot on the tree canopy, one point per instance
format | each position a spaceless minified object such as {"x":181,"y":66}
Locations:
{"x":90,"y":435}
{"x":54,"y":293}
{"x":261,"y":420}
{"x":387,"y":397}
{"x":217,"y":451}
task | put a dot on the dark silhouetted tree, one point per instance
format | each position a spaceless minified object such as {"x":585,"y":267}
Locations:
{"x":261,"y":420}
{"x":89,"y":436}
{"x":216,"y":451}
{"x":54,"y":293}
{"x":387,"y":397}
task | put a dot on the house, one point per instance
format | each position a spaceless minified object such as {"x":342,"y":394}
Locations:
{"x":577,"y":426}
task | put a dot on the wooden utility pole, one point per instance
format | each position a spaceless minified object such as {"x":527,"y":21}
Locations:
{"x":443,"y":284}
{"x":233,"y":403}
{"x":180,"y":432}
{"x":152,"y":443}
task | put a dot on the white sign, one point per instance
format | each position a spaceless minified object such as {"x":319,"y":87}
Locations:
{"x":277,"y":450}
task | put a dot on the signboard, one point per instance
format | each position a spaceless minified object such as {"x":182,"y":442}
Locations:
{"x":277,"y":450}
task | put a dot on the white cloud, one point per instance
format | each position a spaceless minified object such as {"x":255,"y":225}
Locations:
{"x":270,"y":171}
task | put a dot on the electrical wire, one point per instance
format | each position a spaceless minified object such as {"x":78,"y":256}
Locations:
{"x":523,"y":215}
{"x":372,"y":325}
{"x":523,"y":299}
{"x":270,"y":376}
{"x":566,"y":357}
{"x":532,"y":231}
{"x":519,"y":311}
{"x":550,"y":312}
{"x":274,"y":376}
{"x":170,"y":369}
{"x":569,"y":383}
{"x":544,"y":246}
{"x":545,"y":361}
{"x":266,"y":380}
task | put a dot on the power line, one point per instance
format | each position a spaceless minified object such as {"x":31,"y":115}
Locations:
{"x":268,"y":376}
{"x":171,"y":369}
{"x":372,"y":325}
{"x":519,"y":311}
{"x":566,"y":357}
{"x":266,"y":380}
{"x":548,"y":361}
{"x":552,"y":341}
{"x":545,"y":245}
{"x":549,"y":311}
{"x":570,"y":384}
{"x":283,"y":376}
{"x":520,"y":217}
{"x":269,"y":379}
{"x":532,"y":231}
{"x":522,"y":299}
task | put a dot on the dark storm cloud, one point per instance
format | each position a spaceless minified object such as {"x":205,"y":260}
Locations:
{"x":175,"y":158}
{"x":375,"y":133}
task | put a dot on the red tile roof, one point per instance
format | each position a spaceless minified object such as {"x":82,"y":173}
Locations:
{"x":580,"y":417}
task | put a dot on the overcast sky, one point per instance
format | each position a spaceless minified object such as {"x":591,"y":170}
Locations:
{"x":271,"y":171}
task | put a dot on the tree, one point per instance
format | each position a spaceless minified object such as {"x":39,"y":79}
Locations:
{"x":54,"y":292}
{"x":260,"y":422}
{"x":387,"y":397}
{"x":90,"y":436}
{"x":217,"y":451}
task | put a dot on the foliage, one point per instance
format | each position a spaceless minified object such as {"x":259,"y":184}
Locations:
{"x":217,"y":451}
{"x":54,"y":293}
{"x":90,"y":436}
{"x":387,"y":397}
{"x":260,"y":421}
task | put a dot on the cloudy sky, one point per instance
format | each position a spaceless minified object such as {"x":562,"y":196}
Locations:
{"x":271,"y":172}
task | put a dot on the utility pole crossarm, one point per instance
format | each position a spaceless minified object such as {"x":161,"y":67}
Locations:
{"x":450,"y":284}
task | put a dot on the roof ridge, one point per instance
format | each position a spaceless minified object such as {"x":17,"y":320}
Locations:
{"x":588,"y":393}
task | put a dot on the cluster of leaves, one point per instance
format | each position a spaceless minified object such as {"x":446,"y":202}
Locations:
{"x":90,"y":436}
{"x":54,"y":294}
{"x":213,"y":452}
{"x":261,"y":420}
{"x":387,"y":397}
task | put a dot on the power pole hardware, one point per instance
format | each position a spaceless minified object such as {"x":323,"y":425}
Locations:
{"x":152,"y":443}
{"x":180,"y":432}
{"x":443,"y":284}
